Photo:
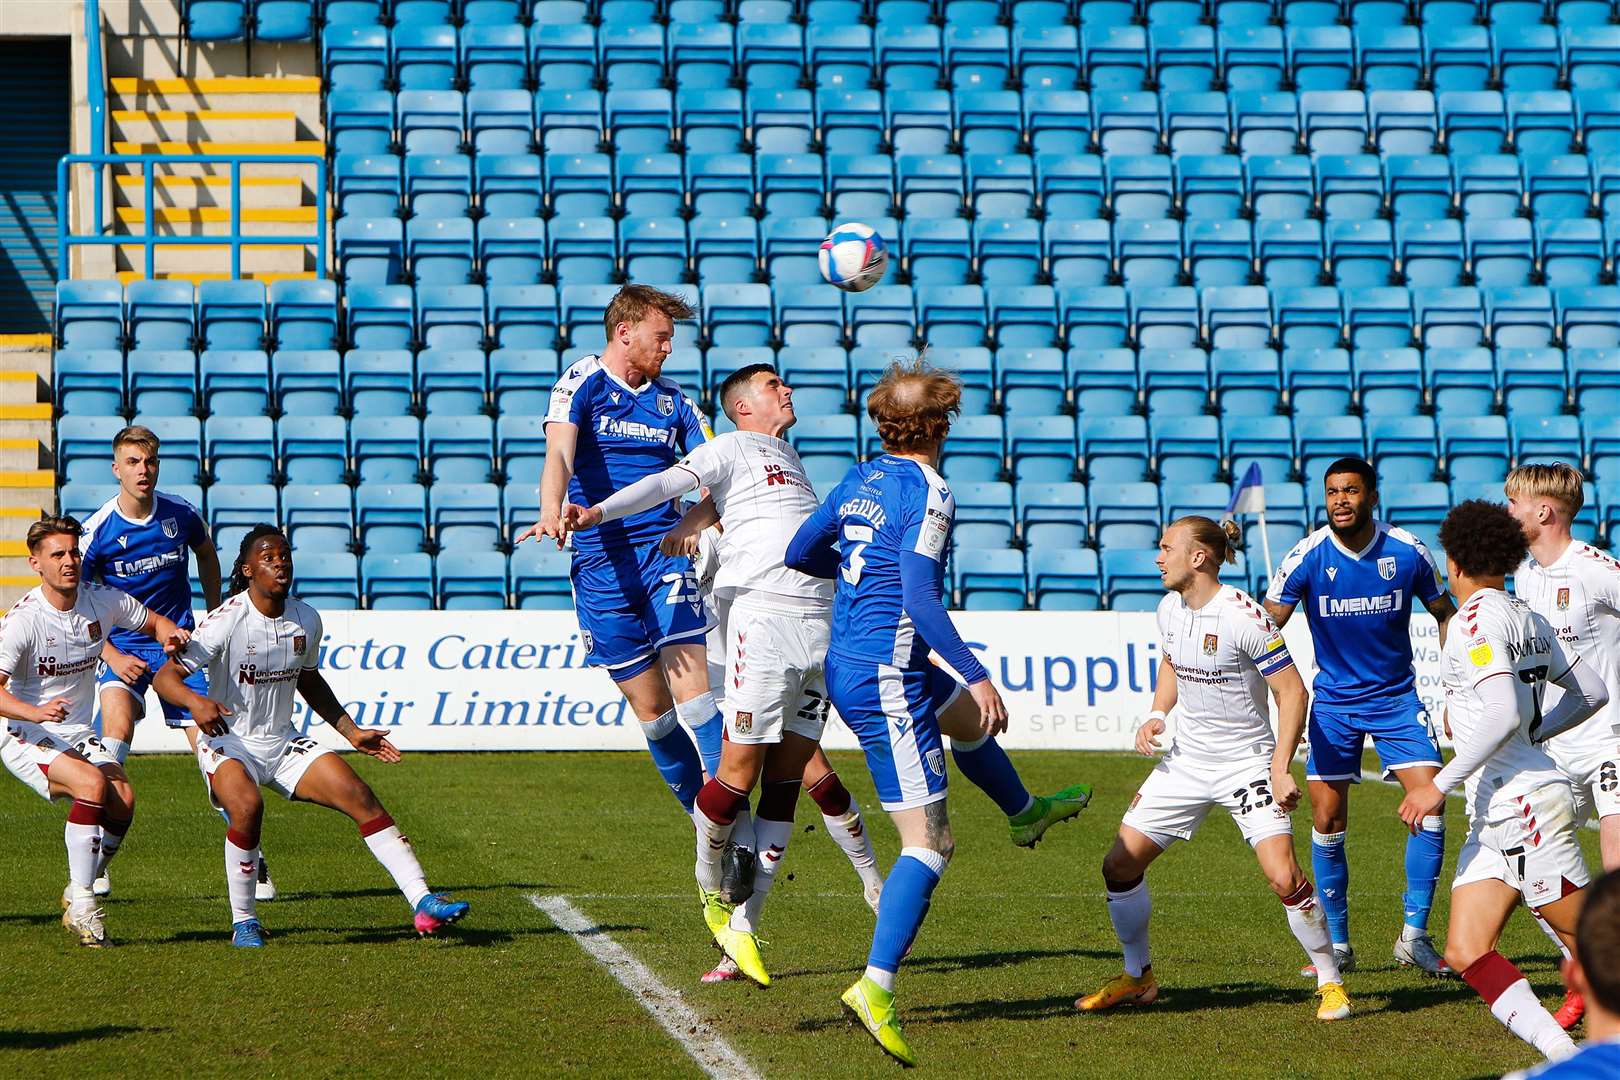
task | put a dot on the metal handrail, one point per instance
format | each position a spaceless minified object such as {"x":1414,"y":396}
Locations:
{"x":150,"y":239}
{"x":96,"y":95}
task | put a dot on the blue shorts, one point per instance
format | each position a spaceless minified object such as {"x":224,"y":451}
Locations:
{"x":631,"y":603}
{"x":155,"y":657}
{"x":895,"y":715}
{"x":1402,"y":736}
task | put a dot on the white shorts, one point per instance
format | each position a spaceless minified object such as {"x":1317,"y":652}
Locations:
{"x":773,"y":676}
{"x":1595,"y":773}
{"x":1177,"y":795}
{"x":29,"y":750}
{"x":278,"y":766}
{"x":1536,"y":851}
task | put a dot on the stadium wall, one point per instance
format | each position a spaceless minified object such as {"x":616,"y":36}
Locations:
{"x":514,"y":680}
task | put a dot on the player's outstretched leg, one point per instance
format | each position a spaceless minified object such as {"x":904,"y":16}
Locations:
{"x":87,"y":787}
{"x":671,"y":747}
{"x":330,"y":782}
{"x":773,"y":828}
{"x":1425,"y":851}
{"x":1479,"y":910}
{"x":842,"y":818}
{"x":717,"y":807}
{"x":117,"y":816}
{"x":1330,"y":868}
{"x":986,"y":765}
{"x":1124,"y":872}
{"x":1574,"y":1005}
{"x":1306,"y":920}
{"x":236,"y":794}
{"x":686,"y":672}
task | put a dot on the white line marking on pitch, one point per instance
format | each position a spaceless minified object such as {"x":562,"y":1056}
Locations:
{"x":697,"y":1036}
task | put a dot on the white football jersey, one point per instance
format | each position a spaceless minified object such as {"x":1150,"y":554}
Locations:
{"x":1579,"y":595}
{"x":47,"y":653}
{"x":763,"y":495}
{"x":1497,"y":635}
{"x":1222,"y":654}
{"x":254,"y":661}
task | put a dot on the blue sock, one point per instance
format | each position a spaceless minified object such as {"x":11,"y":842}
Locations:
{"x":906,"y":893}
{"x":988,"y":768}
{"x":1332,"y":872}
{"x":702,"y":715}
{"x":1424,"y":854}
{"x":677,"y":759}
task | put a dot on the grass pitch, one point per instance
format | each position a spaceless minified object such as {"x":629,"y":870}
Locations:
{"x":345,"y":988}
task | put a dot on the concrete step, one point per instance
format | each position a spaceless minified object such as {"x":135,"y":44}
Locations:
{"x":216,"y":221}
{"x":154,"y":54}
{"x":18,"y":454}
{"x":200,"y":125}
{"x":197,"y":277}
{"x":300,"y":95}
{"x":257,"y":259}
{"x":23,"y":388}
{"x":14,"y":522}
{"x":16,"y":581}
{"x":191,"y":192}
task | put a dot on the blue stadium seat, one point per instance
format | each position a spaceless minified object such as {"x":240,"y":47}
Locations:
{"x":1113,"y":449}
{"x":162,"y":382}
{"x":936,"y":252}
{"x":494,"y":56}
{"x":1592,"y":57}
{"x":1043,"y":449}
{"x":989,"y":579}
{"x":1475,"y":448}
{"x":440,"y":250}
{"x":370,"y":251}
{"x":354,"y":57}
{"x":1378,"y":318}
{"x":1077,"y":252}
{"x":1317,"y":381}
{"x":451,"y":381}
{"x":1132,"y":577}
{"x":975,"y":454}
{"x":1534,"y":381}
{"x":1501,"y":252}
{"x":1389,"y":57}
{"x":520,"y":446}
{"x":951,"y":316}
{"x":235,"y":382}
{"x":397,"y":582}
{"x":423,"y":56}
{"x":313,"y":449}
{"x":632,"y":56}
{"x":1139,"y":186}
{"x":653,"y":248}
{"x":1289,"y":253}
{"x":1114,"y":57}
{"x":1540,"y":121}
{"x":437,"y":186}
{"x":1165,"y":318}
{"x":1589,"y":318}
{"x":1322,"y":441}
{"x":318,"y":518}
{"x":710,"y":121}
{"x":1208,"y":185}
{"x":307,"y":383}
{"x":1569,"y":251}
{"x":701,"y":53}
{"x":1064,"y":579}
{"x":1521,"y":318}
{"x":241,"y":449}
{"x":540,"y":578}
{"x":162,"y":314}
{"x":460,"y":450}
{"x":359,"y":123}
{"x":984,"y":513}
{"x":649,"y":185}
{"x":723,"y":250}
{"x":859,"y":186}
{"x":1308,"y":317}
{"x":1528,"y":55}
{"x":1058,"y":122}
{"x":1266,"y":122}
{"x":1351,"y":186}
{"x":89,"y":382}
{"x":233,"y":509}
{"x":1320,"y":57}
{"x":1175,"y":382}
{"x":1281,"y":186}
{"x":1125,"y":122}
{"x":1096,"y":316}
{"x":304,"y":314}
{"x":582,"y":251}
{"x":819,"y":377}
{"x":216,"y":20}
{"x":230,"y":314}
{"x":1462,"y":381}
{"x":1001,"y":185}
{"x":1024,"y":316}
{"x":1220,"y":253}
{"x":1104,"y":380}
{"x":562,"y":53}
{"x":465,"y":517}
{"x":1544,"y":439}
{"x":1333,"y":121}
{"x":1251,"y":57}
{"x":1449,"y":318}
{"x":83,"y":444}
{"x":737,"y":315}
{"x":472,"y":581}
{"x":1389,"y":382}
{"x":380,"y":316}
{"x":89,"y":315}
{"x":1263,"y":440}
{"x":1402,"y":448}
{"x":328,"y":580}
{"x":920,"y":121}
{"x":509,"y":185}
{"x":1051,"y":515}
{"x":569,"y":120}
{"x":1247,"y":381}
{"x":1147,"y":252}
{"x":1032,"y":381}
{"x":523,"y":316}
{"x":1186,"y":449}
{"x":378,"y":382}
{"x":1362,"y":253}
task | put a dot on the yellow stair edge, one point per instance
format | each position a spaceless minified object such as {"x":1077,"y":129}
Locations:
{"x":180,"y":215}
{"x":32,"y":513}
{"x":18,"y":581}
{"x":13,"y":549}
{"x":27,"y":478}
{"x":200,"y":276}
{"x":25,"y":341}
{"x":135,"y":180}
{"x":228,"y":84}
{"x":17,"y":376}
{"x":38,"y":411}
{"x":124,"y":116}
{"x":309,"y":147}
{"x":19,"y":444}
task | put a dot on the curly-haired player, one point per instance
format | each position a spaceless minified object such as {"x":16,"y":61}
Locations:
{"x":1521,"y":841}
{"x":258,"y":646}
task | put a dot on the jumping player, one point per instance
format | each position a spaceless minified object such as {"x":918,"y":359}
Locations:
{"x":137,"y":542}
{"x":612,"y":420}
{"x":1576,"y":588}
{"x":1522,"y":840}
{"x":1221,"y":652}
{"x":1358,"y":577}
{"x":258,"y":646}
{"x":50,"y":643}
{"x":883,"y":533}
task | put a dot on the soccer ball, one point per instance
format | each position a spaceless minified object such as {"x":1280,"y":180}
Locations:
{"x":854,"y":257}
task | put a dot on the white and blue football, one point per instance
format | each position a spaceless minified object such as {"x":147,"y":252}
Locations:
{"x":854,"y":257}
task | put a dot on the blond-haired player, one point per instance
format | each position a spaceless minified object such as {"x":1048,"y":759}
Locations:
{"x":1576,"y":588}
{"x":1221,"y":652}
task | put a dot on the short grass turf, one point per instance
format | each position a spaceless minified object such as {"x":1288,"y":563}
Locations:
{"x":345,"y":988}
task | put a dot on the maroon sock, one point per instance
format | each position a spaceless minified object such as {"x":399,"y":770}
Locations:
{"x":1490,"y":975}
{"x":831,"y":795}
{"x":720,"y":802}
{"x":377,"y":824}
{"x":84,"y":812}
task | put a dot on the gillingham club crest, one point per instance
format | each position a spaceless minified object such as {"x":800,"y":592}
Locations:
{"x":936,"y":762}
{"x":1386,"y":568}
{"x":1211,"y":643}
{"x":666,"y":405}
{"x":171,"y":528}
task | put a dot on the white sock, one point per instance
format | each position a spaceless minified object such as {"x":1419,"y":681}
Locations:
{"x":1129,"y":911}
{"x":110,"y":843}
{"x":772,"y":837}
{"x":118,"y":748}
{"x":394,"y":851}
{"x":711,"y":841}
{"x":883,"y":978}
{"x":241,"y":876}
{"x":1547,"y":929}
{"x":1523,"y":1014}
{"x":1310,"y":929}
{"x":742,"y":830}
{"x":84,"y":853}
{"x":849,"y":831}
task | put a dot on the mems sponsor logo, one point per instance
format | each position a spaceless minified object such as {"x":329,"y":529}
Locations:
{"x":1330,"y":606}
{"x":634,"y":429}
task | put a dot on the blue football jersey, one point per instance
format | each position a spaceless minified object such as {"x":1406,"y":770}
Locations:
{"x":1359,"y":605}
{"x":1594,"y":1061}
{"x":882,"y":508}
{"x":147,"y":559}
{"x":624,"y":434}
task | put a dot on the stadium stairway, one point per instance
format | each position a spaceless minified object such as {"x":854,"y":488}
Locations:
{"x":202,"y":98}
{"x":27,"y":472}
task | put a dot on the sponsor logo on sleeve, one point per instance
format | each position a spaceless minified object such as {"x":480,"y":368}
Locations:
{"x":935,"y":529}
{"x":1479,"y":651}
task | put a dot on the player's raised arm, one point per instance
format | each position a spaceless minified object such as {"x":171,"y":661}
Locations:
{"x":561,"y":438}
{"x":199,"y":651}
{"x":1288,"y":585}
{"x":1429,"y":586}
{"x":814,"y":548}
{"x":314,"y":689}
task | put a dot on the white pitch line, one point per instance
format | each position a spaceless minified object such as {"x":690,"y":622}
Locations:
{"x":697,"y":1037}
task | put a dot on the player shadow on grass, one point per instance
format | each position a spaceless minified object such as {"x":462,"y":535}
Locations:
{"x":30,"y":918}
{"x":55,"y":1040}
{"x":962,"y":962}
{"x":460,"y":934}
{"x":523,"y":887}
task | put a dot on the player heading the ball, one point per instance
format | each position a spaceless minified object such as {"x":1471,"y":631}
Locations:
{"x":50,"y":644}
{"x":614,"y":419}
{"x":1220,"y":653}
{"x":1522,"y":840}
{"x":259,"y":646}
